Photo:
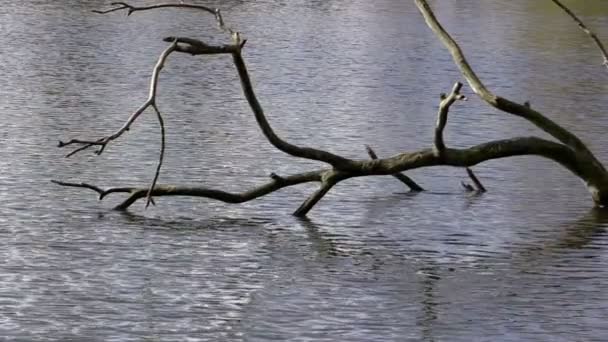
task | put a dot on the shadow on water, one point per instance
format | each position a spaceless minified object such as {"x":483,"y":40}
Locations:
{"x":324,"y":243}
{"x":578,"y":235}
{"x":187,"y":223}
{"x":582,"y":232}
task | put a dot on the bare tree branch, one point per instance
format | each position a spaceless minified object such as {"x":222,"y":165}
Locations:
{"x":570,"y":153}
{"x":224,"y":196}
{"x":196,"y":47}
{"x":400,"y":176}
{"x":498,"y":102}
{"x":98,"y":190}
{"x":161,"y":122}
{"x":424,"y":158}
{"x":442,"y":116}
{"x":131,"y":9}
{"x":102,"y":193}
{"x":583,"y":27}
{"x":150,"y":101}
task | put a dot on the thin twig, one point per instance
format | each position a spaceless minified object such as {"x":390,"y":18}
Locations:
{"x":131,"y":9}
{"x":102,"y":142}
{"x":102,"y":193}
{"x":501,"y":103}
{"x":161,"y":122}
{"x":585,"y":29}
{"x":98,"y":190}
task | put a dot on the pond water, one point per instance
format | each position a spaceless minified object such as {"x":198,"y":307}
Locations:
{"x":526,"y":261}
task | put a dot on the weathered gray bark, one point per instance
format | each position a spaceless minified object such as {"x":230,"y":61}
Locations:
{"x":570,"y":151}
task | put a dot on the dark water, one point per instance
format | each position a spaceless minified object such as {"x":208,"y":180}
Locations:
{"x":526,"y":261}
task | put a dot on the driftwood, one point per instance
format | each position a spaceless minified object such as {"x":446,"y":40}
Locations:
{"x":568,"y":150}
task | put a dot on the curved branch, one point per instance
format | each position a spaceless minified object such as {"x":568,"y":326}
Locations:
{"x":498,"y":102}
{"x":131,"y":9}
{"x":474,"y":155}
{"x":407,"y":161}
{"x":161,"y":122}
{"x":150,"y":101}
{"x":293,"y":150}
{"x":583,"y":27}
{"x":275,"y":184}
{"x":196,"y":47}
{"x":442,"y":116}
{"x":102,"y":193}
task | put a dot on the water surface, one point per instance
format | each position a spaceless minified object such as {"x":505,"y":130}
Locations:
{"x":526,"y":261}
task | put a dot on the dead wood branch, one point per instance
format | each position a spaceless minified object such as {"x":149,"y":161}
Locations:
{"x":570,"y":151}
{"x":150,"y":101}
{"x":161,"y":156}
{"x":119,"y":6}
{"x":221,"y":195}
{"x":102,"y":193}
{"x":585,"y":29}
{"x":400,"y":176}
{"x":493,"y":100}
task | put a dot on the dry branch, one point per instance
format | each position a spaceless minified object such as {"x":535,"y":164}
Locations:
{"x":150,"y":101}
{"x":400,"y":176}
{"x":102,"y":193}
{"x":585,"y":29}
{"x":221,"y":195}
{"x":570,"y":153}
{"x":498,"y":102}
{"x":119,"y":6}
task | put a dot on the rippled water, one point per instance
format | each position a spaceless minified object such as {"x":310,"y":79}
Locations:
{"x":526,"y":261}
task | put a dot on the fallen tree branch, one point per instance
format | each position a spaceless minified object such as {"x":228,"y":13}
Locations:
{"x":570,"y":153}
{"x":224,"y":196}
{"x":195,"y":47}
{"x":131,"y":9}
{"x":585,"y":29}
{"x":406,"y":161}
{"x":400,"y":176}
{"x":275,"y":184}
{"x":493,"y":100}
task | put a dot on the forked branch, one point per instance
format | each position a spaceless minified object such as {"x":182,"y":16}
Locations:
{"x":119,"y":6}
{"x":442,"y":116}
{"x":150,"y":101}
{"x":570,"y":153}
{"x":498,"y":102}
{"x":400,"y":176}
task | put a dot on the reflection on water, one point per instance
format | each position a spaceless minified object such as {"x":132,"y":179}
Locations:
{"x":525,"y":261}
